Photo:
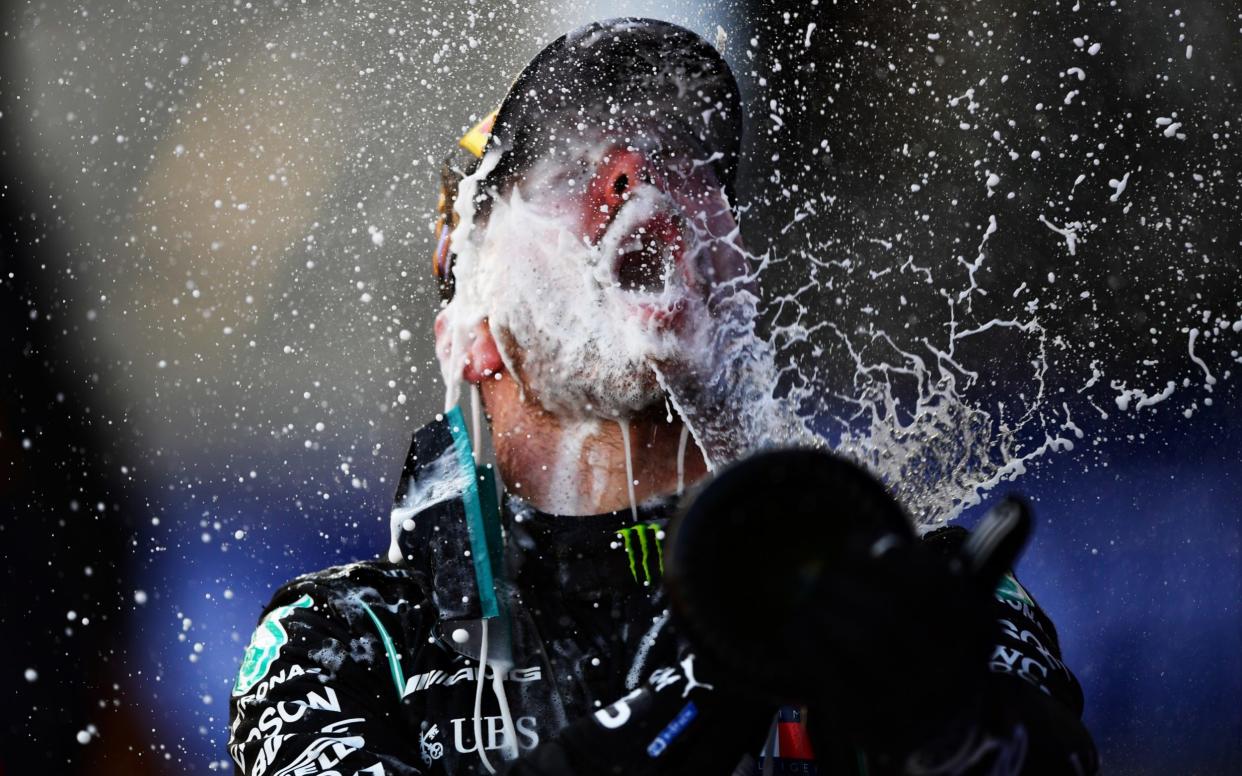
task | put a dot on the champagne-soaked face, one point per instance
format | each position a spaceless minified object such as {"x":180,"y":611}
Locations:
{"x":600,"y":262}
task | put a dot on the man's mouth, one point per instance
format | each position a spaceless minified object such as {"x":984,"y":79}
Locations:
{"x":649,"y":255}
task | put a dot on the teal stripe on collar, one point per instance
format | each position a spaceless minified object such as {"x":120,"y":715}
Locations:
{"x":394,"y":662}
{"x":475,"y":523}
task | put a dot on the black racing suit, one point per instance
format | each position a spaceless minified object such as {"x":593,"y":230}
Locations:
{"x":370,"y":669}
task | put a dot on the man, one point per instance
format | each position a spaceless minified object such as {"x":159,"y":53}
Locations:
{"x":593,"y":276}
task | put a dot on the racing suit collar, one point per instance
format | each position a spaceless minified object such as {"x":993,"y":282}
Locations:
{"x":446,"y":527}
{"x":586,"y":556}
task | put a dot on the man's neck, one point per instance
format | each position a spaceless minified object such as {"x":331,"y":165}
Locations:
{"x":578,"y":466}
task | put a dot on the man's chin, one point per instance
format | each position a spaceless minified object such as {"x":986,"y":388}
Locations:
{"x":581,"y":382}
{"x":616,"y":397}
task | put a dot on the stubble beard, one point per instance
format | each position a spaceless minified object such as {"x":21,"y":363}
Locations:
{"x":579,"y":379}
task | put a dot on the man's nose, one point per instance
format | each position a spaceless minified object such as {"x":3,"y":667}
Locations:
{"x":616,"y":177}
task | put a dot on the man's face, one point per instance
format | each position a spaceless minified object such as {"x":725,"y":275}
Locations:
{"x":602,"y":262}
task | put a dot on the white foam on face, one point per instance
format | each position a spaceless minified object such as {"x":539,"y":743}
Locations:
{"x":584,"y":345}
{"x":550,"y":300}
{"x":725,"y":398}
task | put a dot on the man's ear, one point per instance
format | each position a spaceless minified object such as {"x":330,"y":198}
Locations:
{"x":481,"y":358}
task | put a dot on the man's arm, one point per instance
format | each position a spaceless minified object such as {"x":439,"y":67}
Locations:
{"x":303,"y":704}
{"x":1027,"y":719}
{"x":1030,"y":715}
{"x":680,"y":722}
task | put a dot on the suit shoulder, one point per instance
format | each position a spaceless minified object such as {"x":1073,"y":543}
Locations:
{"x":355,"y":586}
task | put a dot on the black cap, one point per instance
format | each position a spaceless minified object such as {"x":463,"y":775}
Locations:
{"x":637,"y":69}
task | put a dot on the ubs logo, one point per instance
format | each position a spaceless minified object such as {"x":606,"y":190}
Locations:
{"x":494,"y":735}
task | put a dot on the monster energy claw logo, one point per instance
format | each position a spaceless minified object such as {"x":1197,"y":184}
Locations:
{"x":265,"y":645}
{"x":643,"y":531}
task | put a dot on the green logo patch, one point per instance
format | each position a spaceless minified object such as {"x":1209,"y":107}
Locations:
{"x":264,"y":646}
{"x":1010,"y":590}
{"x":642,"y":531}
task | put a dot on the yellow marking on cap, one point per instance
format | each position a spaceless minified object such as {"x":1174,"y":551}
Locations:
{"x":475,"y":140}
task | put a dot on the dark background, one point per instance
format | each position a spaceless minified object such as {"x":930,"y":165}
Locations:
{"x":160,"y":476}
